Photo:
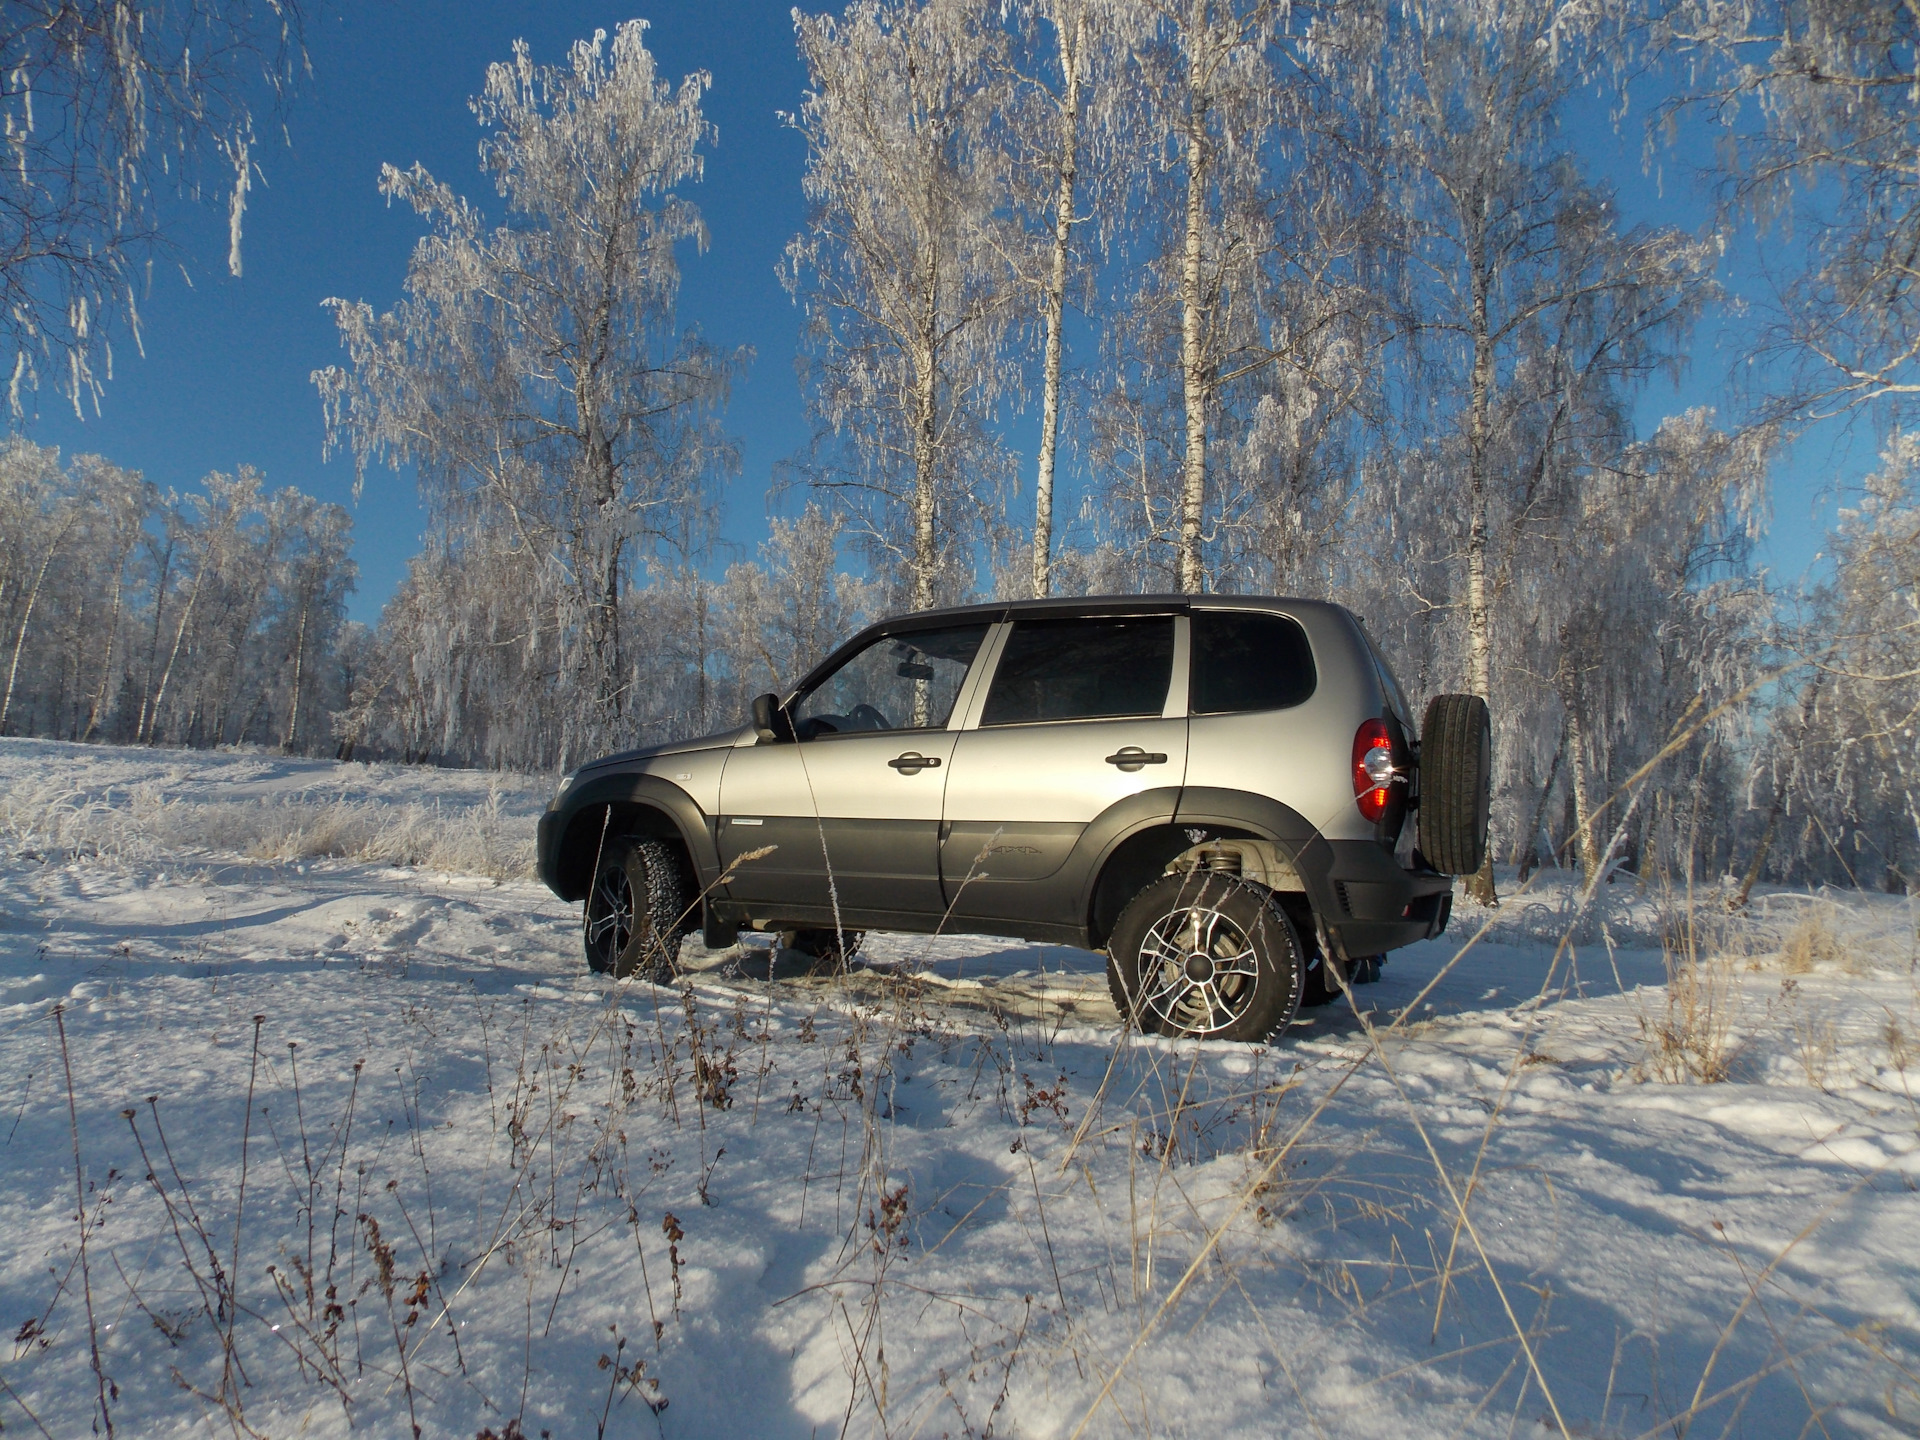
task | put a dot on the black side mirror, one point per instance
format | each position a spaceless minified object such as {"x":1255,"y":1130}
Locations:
{"x":769,"y":720}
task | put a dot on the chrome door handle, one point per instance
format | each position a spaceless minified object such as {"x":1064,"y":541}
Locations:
{"x":1132,"y":757}
{"x":912,"y":764}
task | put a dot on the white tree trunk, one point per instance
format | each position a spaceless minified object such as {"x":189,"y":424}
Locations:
{"x":926,"y":555}
{"x":1479,"y":404}
{"x":26,"y":616}
{"x":179,"y":635}
{"x":1070,"y":55}
{"x":1193,"y":477}
{"x":299,"y":669}
{"x":1577,"y":759}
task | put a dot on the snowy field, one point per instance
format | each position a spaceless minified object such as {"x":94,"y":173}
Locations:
{"x":315,"y":1124}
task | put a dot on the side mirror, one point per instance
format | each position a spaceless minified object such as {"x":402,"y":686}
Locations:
{"x":768,"y":719}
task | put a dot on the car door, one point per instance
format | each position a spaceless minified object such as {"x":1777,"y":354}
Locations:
{"x":1080,"y":714}
{"x":853,"y":800}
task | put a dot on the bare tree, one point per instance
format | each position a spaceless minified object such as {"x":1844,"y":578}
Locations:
{"x":218,"y":589}
{"x":1209,"y":65}
{"x":41,"y":516}
{"x":902,"y":272}
{"x":106,"y":103}
{"x":533,"y":375}
{"x":1850,"y":769}
{"x":1818,"y":103}
{"x":1540,"y":299}
{"x":1067,"y":124}
{"x":784,"y":613}
{"x":1242,"y":349}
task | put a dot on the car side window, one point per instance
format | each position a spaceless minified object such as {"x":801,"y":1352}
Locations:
{"x":899,"y":682}
{"x":1248,"y":661}
{"x":1099,"y":667}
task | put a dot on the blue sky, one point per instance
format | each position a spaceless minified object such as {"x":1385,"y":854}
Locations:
{"x":224,"y":378}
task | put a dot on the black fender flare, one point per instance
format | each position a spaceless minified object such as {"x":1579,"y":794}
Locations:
{"x":1203,"y":807}
{"x":559,"y":862}
{"x":1176,"y":811}
{"x":1081,"y":876}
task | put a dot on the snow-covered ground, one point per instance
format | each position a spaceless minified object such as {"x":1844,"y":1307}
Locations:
{"x":360,"y":1145}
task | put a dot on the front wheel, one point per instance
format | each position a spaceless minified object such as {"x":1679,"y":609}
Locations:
{"x":636,"y":910}
{"x":1206,"y":956}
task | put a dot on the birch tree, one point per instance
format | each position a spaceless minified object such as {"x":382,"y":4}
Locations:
{"x":132,"y":616}
{"x":41,"y":517}
{"x":1850,"y":771}
{"x":1067,"y":125}
{"x":1818,"y":107}
{"x":784,"y":613}
{"x":1653,"y":612}
{"x":902,"y":273}
{"x":316,"y":573}
{"x":1243,"y":336}
{"x":1209,"y":64}
{"x":1541,"y":302}
{"x":533,"y":375}
{"x":108,"y":107}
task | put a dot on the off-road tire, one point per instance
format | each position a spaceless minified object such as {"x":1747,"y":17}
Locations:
{"x":635,"y":911}
{"x":1456,"y":772}
{"x":1242,"y":981}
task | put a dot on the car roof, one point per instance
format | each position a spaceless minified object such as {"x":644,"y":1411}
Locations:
{"x":1099,"y":605}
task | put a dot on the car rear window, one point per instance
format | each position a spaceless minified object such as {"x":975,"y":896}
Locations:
{"x":1102,"y":667}
{"x":1248,"y":661}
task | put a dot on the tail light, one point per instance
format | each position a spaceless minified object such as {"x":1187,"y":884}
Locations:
{"x":1373,"y":769}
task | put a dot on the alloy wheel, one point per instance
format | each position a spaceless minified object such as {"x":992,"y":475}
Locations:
{"x":610,"y":928}
{"x":1197,"y":970}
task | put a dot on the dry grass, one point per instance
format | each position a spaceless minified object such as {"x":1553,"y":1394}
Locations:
{"x":1816,"y":1042}
{"x":1811,"y":944}
{"x":1692,"y":1038}
{"x":52,"y":820}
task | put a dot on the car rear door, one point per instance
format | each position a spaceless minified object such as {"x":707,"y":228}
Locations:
{"x":1080,"y":714}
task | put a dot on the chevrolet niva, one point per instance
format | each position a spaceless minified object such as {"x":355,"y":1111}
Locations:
{"x":1224,"y":794}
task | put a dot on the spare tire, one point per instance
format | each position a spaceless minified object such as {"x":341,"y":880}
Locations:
{"x":1456,"y":775}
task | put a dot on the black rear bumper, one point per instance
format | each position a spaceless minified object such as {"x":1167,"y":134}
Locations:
{"x":1369,"y":904}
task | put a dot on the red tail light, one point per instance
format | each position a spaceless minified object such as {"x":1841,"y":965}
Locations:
{"x":1373,"y":771}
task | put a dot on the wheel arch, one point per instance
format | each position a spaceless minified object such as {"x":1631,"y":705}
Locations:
{"x":632,"y":805}
{"x":1214,"y":814}
{"x":1134,"y":862}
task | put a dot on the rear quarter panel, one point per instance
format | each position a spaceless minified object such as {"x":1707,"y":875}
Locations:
{"x":1302,"y":756}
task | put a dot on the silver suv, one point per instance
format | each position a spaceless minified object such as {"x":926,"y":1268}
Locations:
{"x":1213,"y":790}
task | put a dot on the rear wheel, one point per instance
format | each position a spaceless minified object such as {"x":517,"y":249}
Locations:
{"x":636,"y":910}
{"x":1208,"y":956}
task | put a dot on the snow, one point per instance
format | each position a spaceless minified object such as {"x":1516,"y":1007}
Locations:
{"x":935,"y":1197}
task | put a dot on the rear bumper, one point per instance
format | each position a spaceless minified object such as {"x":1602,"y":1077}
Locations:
{"x":1369,"y":904}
